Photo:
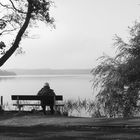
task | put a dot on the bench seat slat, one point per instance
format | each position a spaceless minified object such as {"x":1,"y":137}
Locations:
{"x":35,"y":104}
{"x":34,"y":97}
{"x":26,"y":104}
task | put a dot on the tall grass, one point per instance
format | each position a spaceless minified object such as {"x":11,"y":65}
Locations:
{"x":77,"y":107}
{"x":81,"y":107}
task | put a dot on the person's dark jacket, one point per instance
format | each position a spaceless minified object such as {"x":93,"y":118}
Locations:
{"x":46,"y":91}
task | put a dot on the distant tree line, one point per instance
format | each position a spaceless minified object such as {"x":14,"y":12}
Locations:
{"x":4,"y":73}
{"x":50,"y":71}
{"x":117,"y":79}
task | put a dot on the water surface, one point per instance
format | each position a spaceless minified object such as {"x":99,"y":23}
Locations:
{"x":70,"y":86}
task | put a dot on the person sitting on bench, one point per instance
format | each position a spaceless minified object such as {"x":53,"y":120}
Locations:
{"x":47,"y":91}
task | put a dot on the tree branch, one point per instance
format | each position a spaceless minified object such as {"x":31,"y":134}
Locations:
{"x":8,"y":53}
{"x":1,"y":33}
{"x":6,"y":6}
{"x":20,"y":11}
{"x":13,"y":7}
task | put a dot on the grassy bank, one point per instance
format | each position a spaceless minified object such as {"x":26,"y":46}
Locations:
{"x":36,"y":126}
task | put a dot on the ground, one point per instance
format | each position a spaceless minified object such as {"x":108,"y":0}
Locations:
{"x":26,"y":126}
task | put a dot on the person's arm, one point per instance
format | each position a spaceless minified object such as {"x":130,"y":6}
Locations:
{"x":52,"y":92}
{"x":40,"y":92}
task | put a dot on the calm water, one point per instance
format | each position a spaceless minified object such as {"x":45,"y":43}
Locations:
{"x":70,"y":86}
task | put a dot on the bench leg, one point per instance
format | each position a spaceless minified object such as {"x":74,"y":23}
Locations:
{"x":18,"y":104}
{"x":19,"y":108}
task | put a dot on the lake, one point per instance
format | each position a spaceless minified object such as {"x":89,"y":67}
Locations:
{"x":70,"y":86}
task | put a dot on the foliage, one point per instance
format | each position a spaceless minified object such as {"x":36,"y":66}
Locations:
{"x":80,"y":105}
{"x":15,"y":17}
{"x":117,"y":78}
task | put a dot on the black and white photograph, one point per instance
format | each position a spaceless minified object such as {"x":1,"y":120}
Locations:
{"x":69,"y":70}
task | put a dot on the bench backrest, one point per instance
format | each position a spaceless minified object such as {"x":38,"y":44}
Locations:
{"x":35,"y":97}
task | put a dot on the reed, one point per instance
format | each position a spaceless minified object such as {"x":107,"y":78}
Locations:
{"x":71,"y":106}
{"x":80,"y":106}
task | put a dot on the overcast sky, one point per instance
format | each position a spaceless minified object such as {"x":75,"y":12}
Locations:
{"x":84,"y":31}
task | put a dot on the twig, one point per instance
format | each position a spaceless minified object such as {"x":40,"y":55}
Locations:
{"x":20,"y":11}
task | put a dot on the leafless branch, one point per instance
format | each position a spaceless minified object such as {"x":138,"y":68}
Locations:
{"x":13,"y":7}
{"x":6,"y":6}
{"x":3,"y":19}
{"x":20,"y":11}
{"x":7,"y":31}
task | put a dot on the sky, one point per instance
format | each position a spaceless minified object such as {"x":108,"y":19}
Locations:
{"x":85,"y":30}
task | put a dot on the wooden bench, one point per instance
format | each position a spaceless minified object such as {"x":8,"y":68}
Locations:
{"x":49,"y":99}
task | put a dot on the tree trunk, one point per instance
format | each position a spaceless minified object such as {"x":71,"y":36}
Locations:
{"x":15,"y":45}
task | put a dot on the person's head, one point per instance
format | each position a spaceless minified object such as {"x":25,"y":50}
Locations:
{"x":47,"y":85}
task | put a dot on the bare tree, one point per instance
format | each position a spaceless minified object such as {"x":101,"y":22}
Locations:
{"x":18,"y":15}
